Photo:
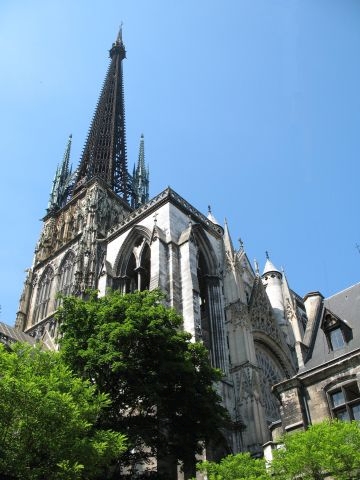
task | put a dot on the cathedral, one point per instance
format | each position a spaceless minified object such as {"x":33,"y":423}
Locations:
{"x":101,"y":230}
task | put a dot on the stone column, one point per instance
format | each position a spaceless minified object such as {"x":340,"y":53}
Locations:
{"x":217,"y":323}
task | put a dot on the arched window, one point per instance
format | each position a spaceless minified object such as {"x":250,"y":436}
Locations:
{"x":66,"y":275}
{"x":137,"y":275}
{"x":202,"y":271}
{"x":271,"y":374}
{"x":212,"y":315}
{"x":144,"y":268}
{"x":131,"y":275}
{"x":43,"y":295}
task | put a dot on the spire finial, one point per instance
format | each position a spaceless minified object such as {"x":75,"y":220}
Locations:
{"x":241,"y":243}
{"x":155,"y":218}
{"x":209,"y":208}
{"x":256,"y":267}
{"x":119,"y":37}
{"x":267,"y":255}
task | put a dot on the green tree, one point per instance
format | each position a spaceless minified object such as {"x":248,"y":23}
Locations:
{"x":46,"y":419}
{"x":235,"y":467}
{"x":160,"y":384}
{"x":330,"y":448}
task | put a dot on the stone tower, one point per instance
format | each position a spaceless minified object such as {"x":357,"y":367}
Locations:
{"x":102,"y":231}
{"x":83,"y":207}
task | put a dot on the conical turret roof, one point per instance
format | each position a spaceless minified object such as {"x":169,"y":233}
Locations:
{"x":270,"y":267}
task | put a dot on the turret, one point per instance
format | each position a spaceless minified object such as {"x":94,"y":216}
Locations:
{"x":272,"y":281}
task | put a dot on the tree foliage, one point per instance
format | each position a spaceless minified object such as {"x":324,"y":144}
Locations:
{"x":235,"y":467}
{"x":46,"y":419}
{"x":160,"y":384}
{"x":330,"y":448}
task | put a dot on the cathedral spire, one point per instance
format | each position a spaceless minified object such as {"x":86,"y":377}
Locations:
{"x":62,"y":182}
{"x":140,"y":178}
{"x":104,"y":154}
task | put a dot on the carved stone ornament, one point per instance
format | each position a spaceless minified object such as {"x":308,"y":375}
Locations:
{"x":262,"y":322}
{"x":238,"y":314}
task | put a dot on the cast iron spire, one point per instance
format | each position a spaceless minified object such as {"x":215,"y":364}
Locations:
{"x":104,"y":153}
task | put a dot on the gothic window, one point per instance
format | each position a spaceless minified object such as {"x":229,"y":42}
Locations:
{"x":345,"y":402}
{"x":131,"y":275}
{"x":145,"y":268}
{"x":203,"y":296}
{"x":137,"y":276}
{"x":271,"y":374}
{"x":66,"y":275}
{"x":43,"y":295}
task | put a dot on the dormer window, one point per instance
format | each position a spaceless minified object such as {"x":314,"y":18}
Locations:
{"x":338,"y":333}
{"x":336,"y":339}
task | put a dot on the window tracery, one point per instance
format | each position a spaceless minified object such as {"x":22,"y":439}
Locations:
{"x":66,"y":276}
{"x":270,"y":375}
{"x":43,"y":295}
{"x":137,"y":275}
{"x":203,"y":299}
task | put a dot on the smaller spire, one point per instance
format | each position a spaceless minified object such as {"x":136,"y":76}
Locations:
{"x":257,"y":271}
{"x":62,"y":183}
{"x":227,"y":239}
{"x":140,"y":178}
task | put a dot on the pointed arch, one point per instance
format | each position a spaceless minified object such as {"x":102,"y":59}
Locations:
{"x":273,"y":369}
{"x":43,"y":297}
{"x":133,"y":262}
{"x":212,"y":315}
{"x":206,"y":249}
{"x":66,"y":275}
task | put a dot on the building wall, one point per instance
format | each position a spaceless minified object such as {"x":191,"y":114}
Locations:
{"x":325,"y":369}
{"x":223,"y":302}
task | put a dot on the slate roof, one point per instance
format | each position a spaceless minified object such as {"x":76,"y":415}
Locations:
{"x":9,"y":334}
{"x":346,"y":306}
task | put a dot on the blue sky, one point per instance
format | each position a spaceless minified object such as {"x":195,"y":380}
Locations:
{"x":250,"y":106}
